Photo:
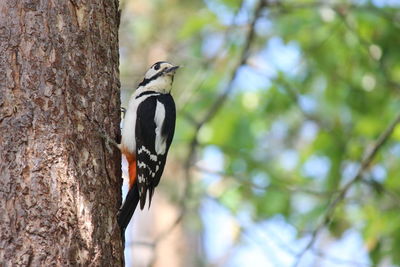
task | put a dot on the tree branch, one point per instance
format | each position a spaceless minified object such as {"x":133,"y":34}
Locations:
{"x":366,"y":161}
{"x":279,"y":187}
{"x":215,"y":107}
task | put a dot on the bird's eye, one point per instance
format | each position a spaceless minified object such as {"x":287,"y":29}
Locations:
{"x":157,"y":66}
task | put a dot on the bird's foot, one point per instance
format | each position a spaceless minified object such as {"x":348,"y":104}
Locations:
{"x":109,"y":141}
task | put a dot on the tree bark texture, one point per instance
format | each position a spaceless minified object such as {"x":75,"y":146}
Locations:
{"x":59,"y":181}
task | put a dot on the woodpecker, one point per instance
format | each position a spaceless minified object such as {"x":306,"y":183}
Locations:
{"x":147,"y":133}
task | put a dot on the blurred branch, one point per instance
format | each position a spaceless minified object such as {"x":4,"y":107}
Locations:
{"x":366,"y":45}
{"x":209,"y":63}
{"x":214,"y":108}
{"x":288,"y":6}
{"x":380,"y":188}
{"x":369,"y":156}
{"x":209,"y":115}
{"x":292,"y":93}
{"x":272,"y":236}
{"x":218,"y":103}
{"x":295,"y":97}
{"x":280,"y":187}
{"x":336,"y":196}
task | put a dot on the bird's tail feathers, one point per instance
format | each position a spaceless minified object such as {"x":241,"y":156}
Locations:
{"x":128,"y":208}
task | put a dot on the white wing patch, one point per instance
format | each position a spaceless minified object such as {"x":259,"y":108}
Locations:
{"x":159,"y":117}
{"x":141,"y":179}
{"x":144,"y":166}
{"x":141,"y":164}
{"x":152,"y":156}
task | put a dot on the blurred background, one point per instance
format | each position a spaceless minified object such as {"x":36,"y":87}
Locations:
{"x":286,"y":150}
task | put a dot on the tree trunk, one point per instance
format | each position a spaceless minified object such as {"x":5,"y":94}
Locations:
{"x":59,"y":182}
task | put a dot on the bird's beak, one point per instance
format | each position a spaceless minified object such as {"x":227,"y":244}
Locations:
{"x":172,"y":69}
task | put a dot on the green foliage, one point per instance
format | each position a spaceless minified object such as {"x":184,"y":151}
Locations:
{"x":328,"y":109}
{"x":272,"y":203}
{"x":196,"y":24}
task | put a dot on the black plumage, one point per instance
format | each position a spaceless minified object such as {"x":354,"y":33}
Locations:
{"x":154,"y":77}
{"x":150,"y":164}
{"x":126,"y":212}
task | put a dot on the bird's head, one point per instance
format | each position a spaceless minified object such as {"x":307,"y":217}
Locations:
{"x":159,"y":77}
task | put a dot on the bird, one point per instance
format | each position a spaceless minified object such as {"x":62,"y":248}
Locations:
{"x":147,"y":133}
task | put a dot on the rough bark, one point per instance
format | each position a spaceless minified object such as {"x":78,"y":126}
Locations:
{"x":59,"y":184}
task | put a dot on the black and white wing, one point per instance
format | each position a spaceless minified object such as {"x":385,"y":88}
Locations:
{"x":155,"y":128}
